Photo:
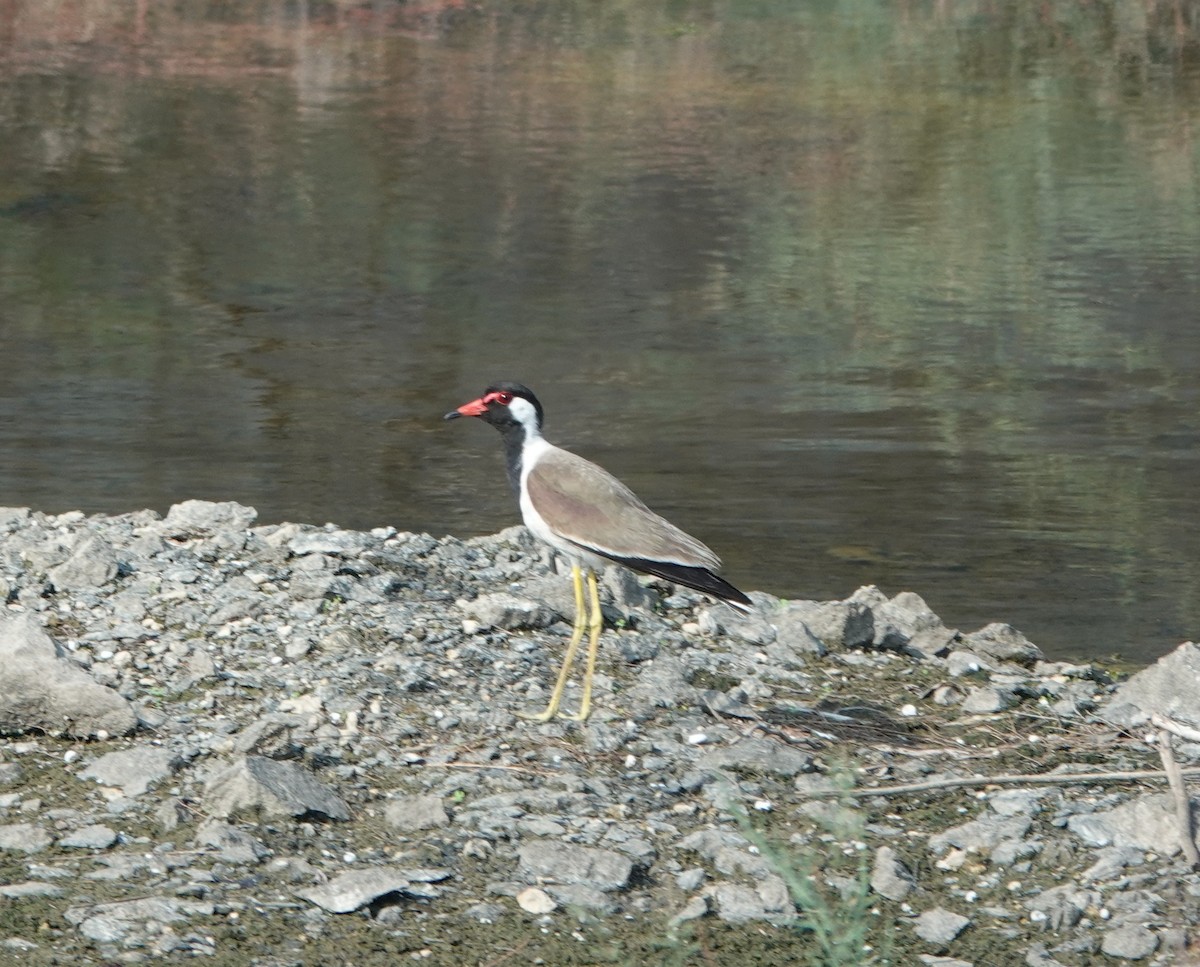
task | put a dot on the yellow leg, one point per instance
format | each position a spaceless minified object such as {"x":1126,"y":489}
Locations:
{"x":595,"y":626}
{"x":572,"y":646}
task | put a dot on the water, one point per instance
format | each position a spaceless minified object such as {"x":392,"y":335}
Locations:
{"x":857,"y":295}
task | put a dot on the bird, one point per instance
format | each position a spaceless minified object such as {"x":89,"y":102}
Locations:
{"x":592,"y":519}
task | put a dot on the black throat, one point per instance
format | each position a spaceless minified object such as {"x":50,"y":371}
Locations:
{"x":513,"y":435}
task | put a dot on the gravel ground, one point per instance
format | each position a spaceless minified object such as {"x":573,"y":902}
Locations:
{"x":288,"y":744}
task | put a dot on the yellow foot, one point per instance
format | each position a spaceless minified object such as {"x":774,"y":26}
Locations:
{"x":545,"y":716}
{"x":552,"y":713}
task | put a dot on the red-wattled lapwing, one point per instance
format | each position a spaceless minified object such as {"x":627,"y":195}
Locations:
{"x":588,"y":515}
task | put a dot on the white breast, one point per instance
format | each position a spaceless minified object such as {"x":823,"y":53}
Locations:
{"x":535,"y":448}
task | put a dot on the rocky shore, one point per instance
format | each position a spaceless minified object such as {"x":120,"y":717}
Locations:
{"x":288,"y":744}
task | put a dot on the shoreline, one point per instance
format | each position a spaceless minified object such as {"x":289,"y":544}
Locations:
{"x":303,"y":741}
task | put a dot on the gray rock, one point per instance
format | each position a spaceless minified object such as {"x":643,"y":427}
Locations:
{"x":1061,"y":906}
{"x":1010,"y":851}
{"x":602,"y":869}
{"x":890,"y":877}
{"x":900,"y":619}
{"x":1129,"y":942}
{"x":839,"y":625}
{"x":92,"y":564}
{"x":987,"y":699}
{"x":272,"y":788}
{"x":1147,"y":823}
{"x":731,"y":860}
{"x":794,"y":639}
{"x":412,"y":813}
{"x":1170,"y":687}
{"x":503,"y":610}
{"x":340,"y":658}
{"x":1038,"y":957}
{"x":485,"y":912}
{"x":13,"y":518}
{"x":738,"y":904}
{"x":982,"y":834}
{"x":272,"y":736}
{"x":1112,"y":861}
{"x":754,"y":629}
{"x":959,"y":663}
{"x":198,"y":666}
{"x":582,"y":896}
{"x":1014,"y":802}
{"x":41,"y":689}
{"x":556,"y":593}
{"x":662,"y":683}
{"x":694,"y":909}
{"x":30,"y":889}
{"x":637,"y":647}
{"x":231,"y":844}
{"x":711,"y":843}
{"x":202,"y":518}
{"x":1004,"y":643}
{"x":758,"y":755}
{"x":133,"y":922}
{"x":24,"y":838}
{"x":133,"y":770}
{"x":627,"y":592}
{"x":350,"y":891}
{"x":89,"y":837}
{"x":939,"y":926}
{"x":774,"y":894}
{"x":335,"y":543}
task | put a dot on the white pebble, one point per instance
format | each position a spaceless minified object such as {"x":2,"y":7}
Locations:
{"x":908,"y":710}
{"x":533,"y":900}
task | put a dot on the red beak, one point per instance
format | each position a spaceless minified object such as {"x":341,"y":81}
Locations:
{"x":474,"y":408}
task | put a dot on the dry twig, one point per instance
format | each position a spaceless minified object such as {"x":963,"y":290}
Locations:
{"x":1179,"y":795}
{"x":1181,"y":730}
{"x":1066,"y":778}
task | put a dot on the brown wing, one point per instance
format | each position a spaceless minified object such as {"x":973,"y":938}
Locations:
{"x":590,"y":507}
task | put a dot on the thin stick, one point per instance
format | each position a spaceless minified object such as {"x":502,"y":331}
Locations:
{"x":1067,"y":778}
{"x":1183,"y":808}
{"x":1183,"y":731}
{"x":509,"y":954}
{"x":485,"y":765}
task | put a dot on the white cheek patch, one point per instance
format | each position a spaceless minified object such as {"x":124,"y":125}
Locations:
{"x":523,"y":412}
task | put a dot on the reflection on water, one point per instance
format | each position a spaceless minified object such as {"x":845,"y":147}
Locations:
{"x":857,"y":295}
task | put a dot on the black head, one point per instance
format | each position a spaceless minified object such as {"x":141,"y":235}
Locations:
{"x":504,"y":405}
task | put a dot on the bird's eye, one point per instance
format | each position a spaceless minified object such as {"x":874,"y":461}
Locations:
{"x":504,"y":398}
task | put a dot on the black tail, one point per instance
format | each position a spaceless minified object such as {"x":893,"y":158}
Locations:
{"x":699,"y":578}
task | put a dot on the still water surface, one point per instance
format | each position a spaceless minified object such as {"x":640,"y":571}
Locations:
{"x":858,"y":294}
